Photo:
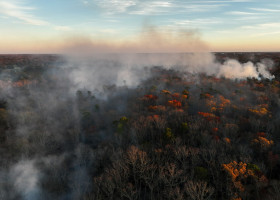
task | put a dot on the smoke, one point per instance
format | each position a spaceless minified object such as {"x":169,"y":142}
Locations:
{"x":93,"y":63}
{"x":129,"y":70}
{"x":26,"y":179}
{"x":151,"y":39}
{"x":232,"y":69}
{"x":47,"y":117}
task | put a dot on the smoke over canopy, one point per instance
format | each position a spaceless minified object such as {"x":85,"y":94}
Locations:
{"x":95,"y":63}
{"x":130,"y":69}
{"x":50,"y":122}
{"x":26,"y":178}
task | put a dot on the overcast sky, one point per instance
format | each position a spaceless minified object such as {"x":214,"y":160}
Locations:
{"x":31,"y":26}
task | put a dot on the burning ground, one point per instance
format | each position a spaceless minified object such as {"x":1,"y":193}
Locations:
{"x":181,"y":126}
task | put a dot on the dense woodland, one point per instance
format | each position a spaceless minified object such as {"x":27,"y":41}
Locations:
{"x":174,"y":136}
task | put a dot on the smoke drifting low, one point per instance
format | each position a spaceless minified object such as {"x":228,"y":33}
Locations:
{"x":97,"y":63}
{"x":26,"y":179}
{"x":130,"y":69}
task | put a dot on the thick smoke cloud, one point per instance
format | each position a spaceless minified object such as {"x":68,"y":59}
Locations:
{"x":232,"y":69}
{"x":94,"y":63}
{"x":130,"y":69}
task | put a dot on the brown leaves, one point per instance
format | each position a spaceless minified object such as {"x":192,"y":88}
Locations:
{"x":263,"y":142}
{"x":239,"y":172}
{"x":150,"y":97}
{"x":209,"y":116}
{"x":175,"y":103}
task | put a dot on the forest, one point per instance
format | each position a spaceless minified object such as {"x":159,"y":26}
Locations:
{"x":68,"y":132}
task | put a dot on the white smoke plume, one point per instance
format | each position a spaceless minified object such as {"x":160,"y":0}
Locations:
{"x":130,"y":69}
{"x":94,"y":63}
{"x":232,"y":69}
{"x":26,"y":178}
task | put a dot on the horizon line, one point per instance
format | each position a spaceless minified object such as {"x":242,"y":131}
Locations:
{"x":3,"y":54}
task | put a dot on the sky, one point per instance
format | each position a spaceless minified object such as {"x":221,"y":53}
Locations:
{"x":40,"y":26}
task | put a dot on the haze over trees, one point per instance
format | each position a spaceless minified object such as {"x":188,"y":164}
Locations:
{"x":161,"y":133}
